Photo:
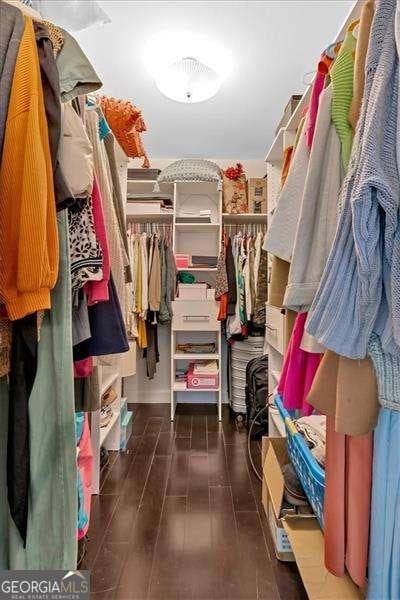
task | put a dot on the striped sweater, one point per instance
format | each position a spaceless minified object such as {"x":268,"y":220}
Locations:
{"x":28,"y":226}
{"x":360,"y":288}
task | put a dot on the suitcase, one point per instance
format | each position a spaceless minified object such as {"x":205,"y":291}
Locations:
{"x":257,"y":396}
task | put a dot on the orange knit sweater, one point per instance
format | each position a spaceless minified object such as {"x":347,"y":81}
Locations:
{"x":28,"y":221}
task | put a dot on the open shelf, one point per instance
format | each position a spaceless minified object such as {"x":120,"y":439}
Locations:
{"x":275,"y":153}
{"x":183,"y":356}
{"x":244,"y":217}
{"x":148,"y":217}
{"x":199,"y":269}
{"x":177,"y":389}
{"x":108,"y":382}
{"x":196,"y":227}
{"x":105,"y":431}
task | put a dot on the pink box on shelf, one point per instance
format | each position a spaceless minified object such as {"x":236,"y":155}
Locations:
{"x":182,"y":261}
{"x":209,"y":381}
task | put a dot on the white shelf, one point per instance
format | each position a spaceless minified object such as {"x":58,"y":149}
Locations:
{"x":275,"y":153}
{"x":190,"y":390}
{"x":183,"y":356}
{"x":105,"y":431}
{"x":196,"y":227}
{"x":245,"y":217}
{"x":199,"y":269}
{"x":148,"y":217}
{"x":108,"y":382}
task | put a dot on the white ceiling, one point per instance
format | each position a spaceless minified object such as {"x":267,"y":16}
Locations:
{"x":272,"y":44}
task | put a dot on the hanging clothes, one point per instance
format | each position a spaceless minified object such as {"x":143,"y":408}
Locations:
{"x":336,"y":318}
{"x":298,"y":371}
{"x":12,"y":28}
{"x":51,"y":534}
{"x":318,"y":213}
{"x":29,"y":241}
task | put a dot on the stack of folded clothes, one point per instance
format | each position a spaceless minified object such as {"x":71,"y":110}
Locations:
{"x":204,"y":261}
{"x":313,"y":429}
{"x":196,"y":348}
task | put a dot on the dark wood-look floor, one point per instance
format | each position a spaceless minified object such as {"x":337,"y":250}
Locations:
{"x":179,"y":516}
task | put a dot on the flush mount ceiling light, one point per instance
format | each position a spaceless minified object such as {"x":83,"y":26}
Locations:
{"x":186,"y":65}
{"x":188,"y":80}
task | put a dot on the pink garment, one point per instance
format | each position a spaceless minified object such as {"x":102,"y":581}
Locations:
{"x":84,"y":367}
{"x":298,"y":371}
{"x":97,"y":291}
{"x":318,"y":86}
{"x":348,"y":478}
{"x":85,"y":466}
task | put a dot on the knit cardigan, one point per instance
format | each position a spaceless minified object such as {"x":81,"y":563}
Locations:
{"x":28,"y":225}
{"x":318,"y":212}
{"x":361,"y":281}
{"x":387,"y":369}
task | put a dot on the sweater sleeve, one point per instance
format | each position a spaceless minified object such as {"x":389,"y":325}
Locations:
{"x":29,"y":237}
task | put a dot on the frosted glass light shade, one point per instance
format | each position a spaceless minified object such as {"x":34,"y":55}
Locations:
{"x":188,"y":80}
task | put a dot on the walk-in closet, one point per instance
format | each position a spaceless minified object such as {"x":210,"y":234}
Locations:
{"x":199,"y":300}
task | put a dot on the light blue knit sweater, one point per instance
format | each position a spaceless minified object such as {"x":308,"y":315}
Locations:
{"x":360,"y":287}
{"x":387,"y":369}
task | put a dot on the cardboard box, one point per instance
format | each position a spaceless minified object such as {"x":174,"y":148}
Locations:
{"x":302,"y":539}
{"x":257,"y":195}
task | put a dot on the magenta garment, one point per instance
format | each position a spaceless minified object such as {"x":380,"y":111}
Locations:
{"x":298,"y":372}
{"x":85,"y":466}
{"x":97,"y":291}
{"x":318,"y":86}
{"x":84,"y":367}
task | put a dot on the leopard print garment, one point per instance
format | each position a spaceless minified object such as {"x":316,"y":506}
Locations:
{"x":85,"y":251}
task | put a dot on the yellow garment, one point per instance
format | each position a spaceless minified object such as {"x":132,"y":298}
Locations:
{"x":367,"y":14}
{"x":28,"y":222}
{"x":142,"y":334}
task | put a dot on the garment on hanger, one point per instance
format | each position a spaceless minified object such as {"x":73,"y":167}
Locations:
{"x":77,"y":75}
{"x":342,"y":75}
{"x":12,"y":28}
{"x":51,"y":534}
{"x":29,"y":244}
{"x":298,"y":371}
{"x":368,"y":276}
{"x":318,"y":213}
{"x":51,"y":93}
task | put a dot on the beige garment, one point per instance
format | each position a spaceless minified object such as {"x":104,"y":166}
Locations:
{"x":155,"y":279}
{"x":279,"y":278}
{"x":128,"y":361}
{"x":109,"y":145}
{"x":367,"y":14}
{"x":346,"y":389}
{"x":75,"y":153}
{"x":101,"y":168}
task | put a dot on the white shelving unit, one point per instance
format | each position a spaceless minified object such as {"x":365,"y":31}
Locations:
{"x":201,"y":239}
{"x":108,"y":436}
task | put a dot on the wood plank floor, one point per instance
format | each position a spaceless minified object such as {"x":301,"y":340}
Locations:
{"x":179,"y":516}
